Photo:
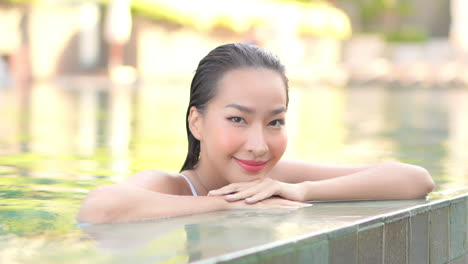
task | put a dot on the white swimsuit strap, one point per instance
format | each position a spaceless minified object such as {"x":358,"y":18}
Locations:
{"x":192,"y":188}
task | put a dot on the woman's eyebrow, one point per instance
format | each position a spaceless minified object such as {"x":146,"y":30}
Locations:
{"x":241,"y":108}
{"x":250,"y":110}
{"x":278,"y":110}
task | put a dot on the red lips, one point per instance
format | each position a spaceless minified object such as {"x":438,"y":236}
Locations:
{"x":251,"y":165}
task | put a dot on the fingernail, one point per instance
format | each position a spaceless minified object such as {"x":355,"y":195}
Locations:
{"x":231,"y":196}
{"x":250,"y":200}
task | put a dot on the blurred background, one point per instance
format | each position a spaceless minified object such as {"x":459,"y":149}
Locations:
{"x":94,"y":91}
{"x":325,"y":41}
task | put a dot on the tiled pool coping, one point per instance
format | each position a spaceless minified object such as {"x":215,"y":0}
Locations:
{"x":396,"y":231}
{"x":435,"y":232}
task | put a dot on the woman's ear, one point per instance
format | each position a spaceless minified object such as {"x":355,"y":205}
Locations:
{"x":195,"y":122}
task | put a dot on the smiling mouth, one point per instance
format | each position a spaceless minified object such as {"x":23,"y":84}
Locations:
{"x":251,"y":165}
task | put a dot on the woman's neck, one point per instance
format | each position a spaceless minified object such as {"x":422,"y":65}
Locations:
{"x":207,"y":178}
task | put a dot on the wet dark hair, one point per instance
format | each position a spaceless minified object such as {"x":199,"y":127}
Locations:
{"x":211,"y":69}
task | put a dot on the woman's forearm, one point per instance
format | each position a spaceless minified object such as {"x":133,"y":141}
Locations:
{"x":121,"y":202}
{"x":383,"y":181}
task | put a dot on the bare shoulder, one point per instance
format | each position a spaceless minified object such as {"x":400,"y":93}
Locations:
{"x":159,"y":181}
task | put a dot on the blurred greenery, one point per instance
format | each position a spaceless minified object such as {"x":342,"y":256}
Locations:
{"x":316,"y":18}
{"x":407,"y":34}
{"x":384,"y":17}
{"x":372,"y":9}
{"x":313,"y":18}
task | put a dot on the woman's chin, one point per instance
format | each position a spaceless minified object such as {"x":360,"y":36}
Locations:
{"x":246,"y":177}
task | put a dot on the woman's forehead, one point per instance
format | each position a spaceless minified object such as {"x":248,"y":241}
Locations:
{"x":252,"y":85}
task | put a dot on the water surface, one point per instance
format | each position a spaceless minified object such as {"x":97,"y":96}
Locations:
{"x":58,"y":140}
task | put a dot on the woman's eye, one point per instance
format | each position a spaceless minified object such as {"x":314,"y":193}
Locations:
{"x":236,"y":119}
{"x":277,"y":123}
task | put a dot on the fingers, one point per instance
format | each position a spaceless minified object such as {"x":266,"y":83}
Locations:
{"x":258,"y":197}
{"x":232,"y":188}
{"x":282,"y":201}
{"x":221,"y":192}
{"x":252,"y":192}
{"x":245,"y":194}
{"x":259,"y":190}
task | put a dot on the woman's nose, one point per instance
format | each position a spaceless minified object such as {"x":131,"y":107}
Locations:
{"x":256,"y":142}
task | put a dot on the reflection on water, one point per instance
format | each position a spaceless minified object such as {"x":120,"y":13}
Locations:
{"x":58,"y":140}
{"x":77,"y":130}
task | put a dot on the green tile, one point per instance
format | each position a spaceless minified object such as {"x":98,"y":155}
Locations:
{"x":457,"y":199}
{"x":279,"y":255}
{"x":370,"y":244}
{"x":440,"y":204}
{"x":466,"y":221}
{"x":457,"y":229}
{"x":460,"y":260}
{"x":343,"y":231}
{"x":370,"y":223}
{"x":313,"y":250}
{"x":418,"y":248}
{"x":396,"y":217}
{"x":250,"y":259}
{"x":396,"y":241}
{"x":343,"y":246}
{"x":438,"y":235}
{"x":420,"y":209}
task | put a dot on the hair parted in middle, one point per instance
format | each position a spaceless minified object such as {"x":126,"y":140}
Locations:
{"x":211,"y":69}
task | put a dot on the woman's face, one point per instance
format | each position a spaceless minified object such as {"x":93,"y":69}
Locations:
{"x":242,"y":131}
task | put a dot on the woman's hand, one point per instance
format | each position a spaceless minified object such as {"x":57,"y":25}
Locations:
{"x":258,"y":190}
{"x":269,"y":203}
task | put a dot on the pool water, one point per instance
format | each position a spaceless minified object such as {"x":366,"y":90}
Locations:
{"x":60,"y":139}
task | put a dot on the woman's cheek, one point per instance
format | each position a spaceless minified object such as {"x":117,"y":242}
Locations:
{"x":280,"y":143}
{"x":229,"y":139}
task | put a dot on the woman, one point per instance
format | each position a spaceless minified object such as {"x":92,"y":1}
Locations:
{"x":235,"y":126}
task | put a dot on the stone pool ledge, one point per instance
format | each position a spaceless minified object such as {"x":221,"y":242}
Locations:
{"x":433,"y":232}
{"x":430,"y":230}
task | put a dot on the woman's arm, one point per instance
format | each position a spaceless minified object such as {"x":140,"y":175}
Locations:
{"x":154,"y":194}
{"x":381,"y":181}
{"x":125,"y":202}
{"x":301,"y":181}
{"x":295,"y":171}
{"x":147,"y":194}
